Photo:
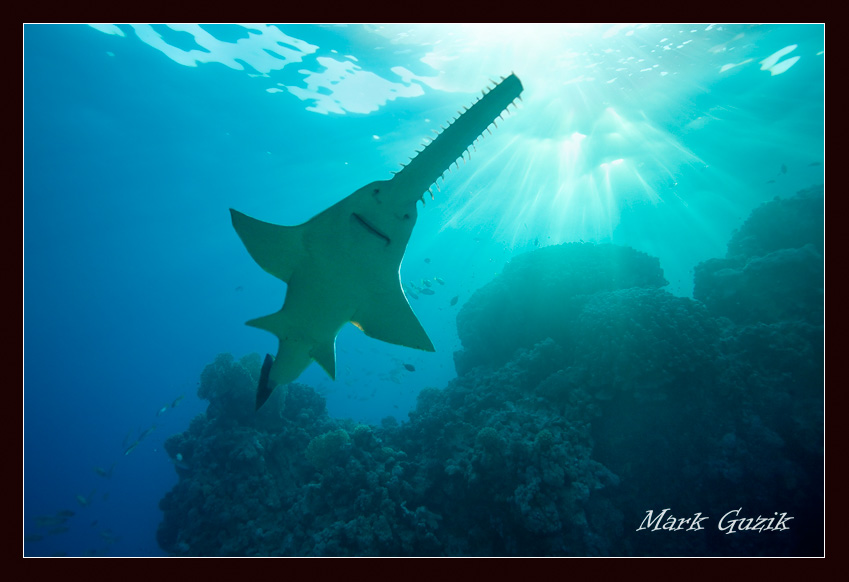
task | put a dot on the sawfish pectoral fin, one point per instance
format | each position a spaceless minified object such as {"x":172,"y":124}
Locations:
{"x":391,"y":319}
{"x":277,"y":249}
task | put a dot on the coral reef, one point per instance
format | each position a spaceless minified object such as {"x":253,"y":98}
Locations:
{"x":540,"y":294}
{"x":586,"y":396}
{"x":774,"y":269}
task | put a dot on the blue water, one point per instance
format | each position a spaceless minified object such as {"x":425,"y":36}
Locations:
{"x":138,"y":139}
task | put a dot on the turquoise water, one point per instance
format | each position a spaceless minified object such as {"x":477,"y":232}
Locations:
{"x":137,"y":140}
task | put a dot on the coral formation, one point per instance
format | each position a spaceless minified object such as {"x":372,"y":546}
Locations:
{"x":328,"y":449}
{"x":540,"y":294}
{"x":586,"y":396}
{"x":774,"y":267}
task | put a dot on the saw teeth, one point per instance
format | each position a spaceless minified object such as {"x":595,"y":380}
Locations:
{"x":428,"y":141}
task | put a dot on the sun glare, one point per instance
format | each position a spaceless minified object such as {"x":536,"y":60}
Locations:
{"x":573,"y":183}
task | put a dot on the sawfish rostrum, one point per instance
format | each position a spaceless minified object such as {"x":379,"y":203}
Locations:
{"x":343,"y":265}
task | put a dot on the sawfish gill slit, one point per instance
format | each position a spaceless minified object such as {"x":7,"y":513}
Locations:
{"x":453,"y":142}
{"x":370,"y":228}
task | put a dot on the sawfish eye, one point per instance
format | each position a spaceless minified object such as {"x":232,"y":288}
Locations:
{"x":376,"y":192}
{"x":406,"y":217}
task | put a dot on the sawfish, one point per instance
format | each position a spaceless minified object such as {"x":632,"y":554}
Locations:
{"x":343,"y":265}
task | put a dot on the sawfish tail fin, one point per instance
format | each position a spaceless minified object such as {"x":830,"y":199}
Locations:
{"x":290,"y":362}
{"x":275,"y":248}
{"x":266,"y":386}
{"x":462,"y":132}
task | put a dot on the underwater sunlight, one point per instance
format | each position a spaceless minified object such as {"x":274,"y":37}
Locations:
{"x":583,"y":266}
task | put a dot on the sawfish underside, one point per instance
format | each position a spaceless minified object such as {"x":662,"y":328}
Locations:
{"x":343,"y":265}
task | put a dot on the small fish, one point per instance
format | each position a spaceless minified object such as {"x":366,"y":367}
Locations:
{"x":131,"y":447}
{"x":427,"y":292}
{"x":65,"y":513}
{"x":438,"y":280}
{"x":145,"y":433}
{"x":84,"y":501}
{"x":815,"y":164}
{"x":536,"y":242}
{"x":104,"y":472}
{"x":427,"y":260}
{"x":49,"y":520}
{"x":33,"y":538}
{"x":783,"y":168}
{"x":177,"y":401}
{"x":408,"y":291}
{"x":162,"y":410}
{"x":410,"y":367}
{"x":425,"y":282}
{"x":454,"y":300}
{"x":58,"y":530}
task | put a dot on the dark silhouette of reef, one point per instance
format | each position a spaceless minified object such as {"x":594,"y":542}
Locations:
{"x":586,"y":396}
